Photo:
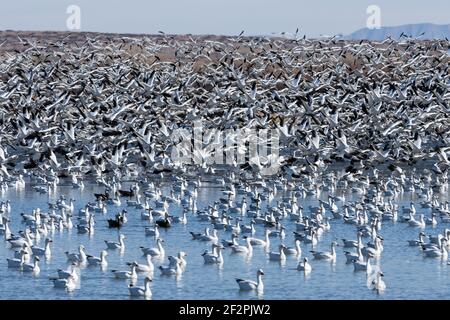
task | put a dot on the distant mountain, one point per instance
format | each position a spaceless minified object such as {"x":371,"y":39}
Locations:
{"x":424,"y":31}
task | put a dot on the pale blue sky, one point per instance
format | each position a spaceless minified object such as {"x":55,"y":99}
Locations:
{"x":256,"y":17}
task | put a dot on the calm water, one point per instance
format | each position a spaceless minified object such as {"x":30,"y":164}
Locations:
{"x":407,"y":274}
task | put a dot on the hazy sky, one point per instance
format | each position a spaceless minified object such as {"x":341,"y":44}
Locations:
{"x":256,"y":17}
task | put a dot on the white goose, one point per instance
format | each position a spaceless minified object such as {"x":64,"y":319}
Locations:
{"x":215,"y":256}
{"x":17,"y":263}
{"x":247,"y":249}
{"x":173,"y":268}
{"x":378,"y":284}
{"x":297,"y":250}
{"x":278,"y":256}
{"x":141,"y":291}
{"x":69,"y":284}
{"x":126,"y":274}
{"x":248,"y":285}
{"x":37,"y":251}
{"x":146,"y":268}
{"x":417,"y":223}
{"x":261,"y":242}
{"x":359,"y":265}
{"x":32,"y":267}
{"x":158,"y":251}
{"x":79,"y":257}
{"x":98,"y":261}
{"x":304,"y":266}
{"x":152,"y":232}
{"x":326,"y":255}
{"x":116,"y":245}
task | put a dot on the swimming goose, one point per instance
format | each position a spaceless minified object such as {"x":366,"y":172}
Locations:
{"x":247,"y":285}
{"x":144,"y":291}
{"x":297,"y":250}
{"x":378,"y":284}
{"x":353,"y":243}
{"x":278,"y":256}
{"x":126,"y":274}
{"x":79,"y":257}
{"x":261,"y":242}
{"x":43,"y":251}
{"x":173,"y":268}
{"x":17,"y":263}
{"x":98,"y":261}
{"x":247,"y":249}
{"x":147,"y":268}
{"x":69,"y":284}
{"x":71,"y":272}
{"x":249,"y":229}
{"x":116,"y":245}
{"x":359,"y":265}
{"x":414,"y":223}
{"x":152,"y":232}
{"x":182,"y":219}
{"x":415,"y":243}
{"x":435,"y":252}
{"x":158,"y":251}
{"x":32,"y":267}
{"x":215,"y":256}
{"x":326,"y":255}
{"x":304,"y":266}
{"x":214,"y":237}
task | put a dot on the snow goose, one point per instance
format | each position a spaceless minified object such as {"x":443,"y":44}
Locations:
{"x":215,"y":256}
{"x":173,"y":268}
{"x":353,"y":243}
{"x":249,"y":229}
{"x":278,"y":256}
{"x":152,"y":232}
{"x":37,"y":251}
{"x":116,"y":245}
{"x":304,"y":266}
{"x":158,"y":251}
{"x":32,"y":267}
{"x":247,"y":285}
{"x":417,"y":223}
{"x":71,"y":272}
{"x":247,"y":249}
{"x":326,"y":255}
{"x":378,"y":284}
{"x":214,"y":237}
{"x":17,"y":263}
{"x":182,"y":219}
{"x":144,"y":291}
{"x":79,"y":257}
{"x":146,"y":268}
{"x":359,"y":265}
{"x":416,"y":243}
{"x":98,"y":261}
{"x":69,"y":284}
{"x":261,"y":242}
{"x":297,"y":250}
{"x":126,"y":274}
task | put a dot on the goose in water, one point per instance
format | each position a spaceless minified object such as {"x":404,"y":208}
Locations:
{"x":158,"y":251}
{"x":181,"y":260}
{"x":17,"y":263}
{"x":196,"y":236}
{"x":416,"y":243}
{"x":69,"y":283}
{"x":350,"y":257}
{"x":297,"y":250}
{"x":278,"y":256}
{"x":359,"y":265}
{"x":353,"y":243}
{"x":214,"y":237}
{"x":182,"y":219}
{"x":326,"y":255}
{"x":247,"y":249}
{"x":116,"y":245}
{"x":173,"y":268}
{"x":417,"y":223}
{"x":434,"y":252}
{"x":71,"y":272}
{"x":247,"y":285}
{"x":146,"y":268}
{"x":250,"y":228}
{"x":37,"y":251}
{"x":378,"y":284}
{"x":32,"y":267}
{"x":261,"y":242}
{"x":98,"y":261}
{"x":304,"y":266}
{"x":215,"y":256}
{"x":79,"y":257}
{"x":144,"y":291}
{"x":126,"y":274}
{"x":152,"y":232}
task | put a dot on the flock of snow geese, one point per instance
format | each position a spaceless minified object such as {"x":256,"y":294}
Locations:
{"x":368,"y":118}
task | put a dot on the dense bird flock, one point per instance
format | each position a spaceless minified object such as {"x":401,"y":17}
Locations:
{"x":369,"y":118}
